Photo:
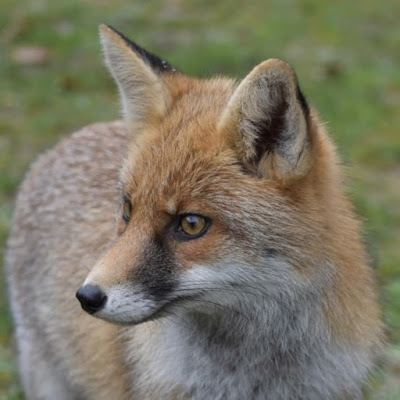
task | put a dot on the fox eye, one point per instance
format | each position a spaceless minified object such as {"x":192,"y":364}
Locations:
{"x":193,"y":226}
{"x":127,"y":210}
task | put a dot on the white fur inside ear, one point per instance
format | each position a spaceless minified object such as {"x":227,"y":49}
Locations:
{"x":143,"y":93}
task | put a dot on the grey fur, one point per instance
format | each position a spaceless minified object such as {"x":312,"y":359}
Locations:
{"x":259,"y":341}
{"x":255,"y":331}
{"x":259,"y":319}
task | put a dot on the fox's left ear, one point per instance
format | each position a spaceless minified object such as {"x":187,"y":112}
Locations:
{"x":268,"y":121}
{"x":139,"y":75}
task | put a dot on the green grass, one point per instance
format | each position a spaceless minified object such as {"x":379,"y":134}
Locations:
{"x":346,"y":55}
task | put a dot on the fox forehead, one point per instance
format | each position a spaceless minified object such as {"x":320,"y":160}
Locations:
{"x":179,"y":157}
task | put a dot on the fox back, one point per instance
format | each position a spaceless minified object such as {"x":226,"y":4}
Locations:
{"x":210,"y":230}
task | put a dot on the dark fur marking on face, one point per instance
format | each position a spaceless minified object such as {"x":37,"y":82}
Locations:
{"x":151,"y":59}
{"x":156,"y":271}
{"x":269,"y":253}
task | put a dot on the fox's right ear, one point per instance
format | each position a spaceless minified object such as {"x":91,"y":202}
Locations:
{"x":139,"y":75}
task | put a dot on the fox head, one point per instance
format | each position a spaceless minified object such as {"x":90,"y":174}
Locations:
{"x":230,"y":192}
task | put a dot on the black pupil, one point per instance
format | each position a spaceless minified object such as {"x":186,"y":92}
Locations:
{"x":192,"y":221}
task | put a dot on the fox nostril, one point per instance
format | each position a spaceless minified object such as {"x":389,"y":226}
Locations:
{"x":91,"y":297}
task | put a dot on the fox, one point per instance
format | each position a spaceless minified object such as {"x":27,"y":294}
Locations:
{"x":208,"y":239}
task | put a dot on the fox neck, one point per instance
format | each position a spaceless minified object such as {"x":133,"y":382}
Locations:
{"x":256,"y":349}
{"x":238,"y":352}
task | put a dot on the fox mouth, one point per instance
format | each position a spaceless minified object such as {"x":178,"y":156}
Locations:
{"x":163,"y":310}
{"x":133,"y":309}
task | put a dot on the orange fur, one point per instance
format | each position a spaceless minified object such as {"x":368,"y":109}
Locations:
{"x":192,"y":146}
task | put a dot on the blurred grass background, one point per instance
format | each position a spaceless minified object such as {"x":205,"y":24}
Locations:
{"x":346,"y":54}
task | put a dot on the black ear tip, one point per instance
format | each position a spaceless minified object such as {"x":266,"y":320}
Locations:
{"x":106,"y":27}
{"x":151,"y":59}
{"x":116,"y":31}
{"x":303,"y":102}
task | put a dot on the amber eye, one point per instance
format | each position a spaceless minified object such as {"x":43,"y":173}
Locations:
{"x":127,"y":210}
{"x":193,"y":225}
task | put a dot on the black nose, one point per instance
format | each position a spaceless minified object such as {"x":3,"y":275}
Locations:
{"x":91,"y":297}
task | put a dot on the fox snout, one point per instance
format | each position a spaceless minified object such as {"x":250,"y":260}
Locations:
{"x":91,"y":297}
{"x":131,"y":281}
